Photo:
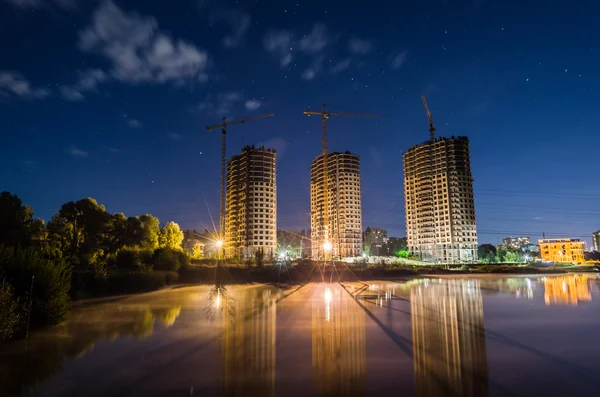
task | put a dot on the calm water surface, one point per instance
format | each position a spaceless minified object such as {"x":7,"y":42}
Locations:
{"x":478,"y":336}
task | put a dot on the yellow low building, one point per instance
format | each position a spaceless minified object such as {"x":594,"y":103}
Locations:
{"x":561,"y":250}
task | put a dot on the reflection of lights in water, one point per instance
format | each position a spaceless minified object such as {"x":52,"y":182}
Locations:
{"x":564,"y":285}
{"x":218,"y":300}
{"x":328,"y":304}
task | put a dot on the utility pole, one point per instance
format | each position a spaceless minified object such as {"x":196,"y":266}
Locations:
{"x":325,"y":115}
{"x":223,"y":126}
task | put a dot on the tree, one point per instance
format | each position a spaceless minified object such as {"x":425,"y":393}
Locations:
{"x":51,"y":278}
{"x":512,"y":256}
{"x":259,"y":256}
{"x":15,"y":221}
{"x":402,"y":254}
{"x":170,"y":236}
{"x":148,"y":236}
{"x":9,"y":315}
{"x":197,"y":251}
{"x":80,"y":228}
{"x":486,"y":253}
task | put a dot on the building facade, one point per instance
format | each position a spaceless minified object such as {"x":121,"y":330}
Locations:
{"x":251,"y":203}
{"x":438,"y":193}
{"x":521,"y":243}
{"x":562,"y":250}
{"x":375,"y":240}
{"x":343,"y":228}
{"x":596,"y":241}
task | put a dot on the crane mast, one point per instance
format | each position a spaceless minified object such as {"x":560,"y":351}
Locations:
{"x":223,"y":127}
{"x":325,"y":115}
{"x":431,"y":126}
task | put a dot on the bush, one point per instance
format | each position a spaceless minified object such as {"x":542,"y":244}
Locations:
{"x":134,"y":258}
{"x":51,"y":283}
{"x":9,"y":315}
{"x":170,"y":259}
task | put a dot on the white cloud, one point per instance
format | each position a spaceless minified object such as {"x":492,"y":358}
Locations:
{"x":316,"y":40}
{"x":340,"y":66}
{"x":36,"y":3}
{"x":113,"y":150}
{"x":359,"y":46}
{"x":88,"y":81}
{"x":74,"y":151}
{"x":310,"y":72}
{"x":71,"y":94}
{"x":138,"y":51}
{"x":134,"y":123}
{"x":240,"y":23}
{"x":15,"y":84}
{"x":174,"y":136}
{"x":253,"y":104}
{"x":279,"y":43}
{"x":399,"y":60}
{"x":222,"y":104}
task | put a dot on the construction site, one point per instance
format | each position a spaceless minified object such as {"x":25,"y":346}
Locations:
{"x":440,"y":213}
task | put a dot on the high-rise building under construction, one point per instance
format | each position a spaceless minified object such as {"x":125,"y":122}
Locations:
{"x":438,"y":193}
{"x":251,"y":203}
{"x":336,"y":228}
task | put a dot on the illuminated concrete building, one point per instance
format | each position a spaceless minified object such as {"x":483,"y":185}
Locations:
{"x":344,"y":210}
{"x":374,"y":240}
{"x":248,"y":345}
{"x":251,"y":203}
{"x":438,"y":193}
{"x":596,"y":241}
{"x":522,"y":243}
{"x":338,"y":345}
{"x":567,"y":290}
{"x":449,"y":339}
{"x":562,"y":250}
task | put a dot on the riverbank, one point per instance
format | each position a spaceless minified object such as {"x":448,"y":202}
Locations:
{"x":315,"y":272}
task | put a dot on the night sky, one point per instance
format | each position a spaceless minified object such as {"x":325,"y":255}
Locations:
{"x":109,"y":99}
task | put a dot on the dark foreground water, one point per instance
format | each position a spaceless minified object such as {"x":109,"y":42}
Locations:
{"x":480,"y":336}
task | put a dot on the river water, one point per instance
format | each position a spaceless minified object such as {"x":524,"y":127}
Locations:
{"x":475,"y":336}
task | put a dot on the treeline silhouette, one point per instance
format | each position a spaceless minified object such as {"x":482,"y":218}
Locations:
{"x":83,"y":251}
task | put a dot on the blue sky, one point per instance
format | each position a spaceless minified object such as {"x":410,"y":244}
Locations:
{"x":109,"y":99}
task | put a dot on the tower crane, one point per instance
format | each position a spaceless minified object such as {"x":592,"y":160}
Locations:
{"x":223,"y":126}
{"x":431,"y":126}
{"x":325,"y":115}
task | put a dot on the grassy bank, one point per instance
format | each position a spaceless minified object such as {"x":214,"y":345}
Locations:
{"x":307,"y":271}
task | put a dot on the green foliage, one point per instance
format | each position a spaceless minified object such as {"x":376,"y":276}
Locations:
{"x":51,"y":283}
{"x":170,"y":236}
{"x":148,"y":237}
{"x":197,"y":251}
{"x":169,"y":259}
{"x":17,"y":225}
{"x":506,"y":255}
{"x":134,"y":258}
{"x":402,"y":254}
{"x":259,"y":256}
{"x":486,"y":253}
{"x":9,"y":315}
{"x":79,"y":228}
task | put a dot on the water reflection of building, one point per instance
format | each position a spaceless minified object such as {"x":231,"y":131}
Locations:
{"x":338,"y":345}
{"x":566,"y":290}
{"x":449,"y":339}
{"x":247,"y":345}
